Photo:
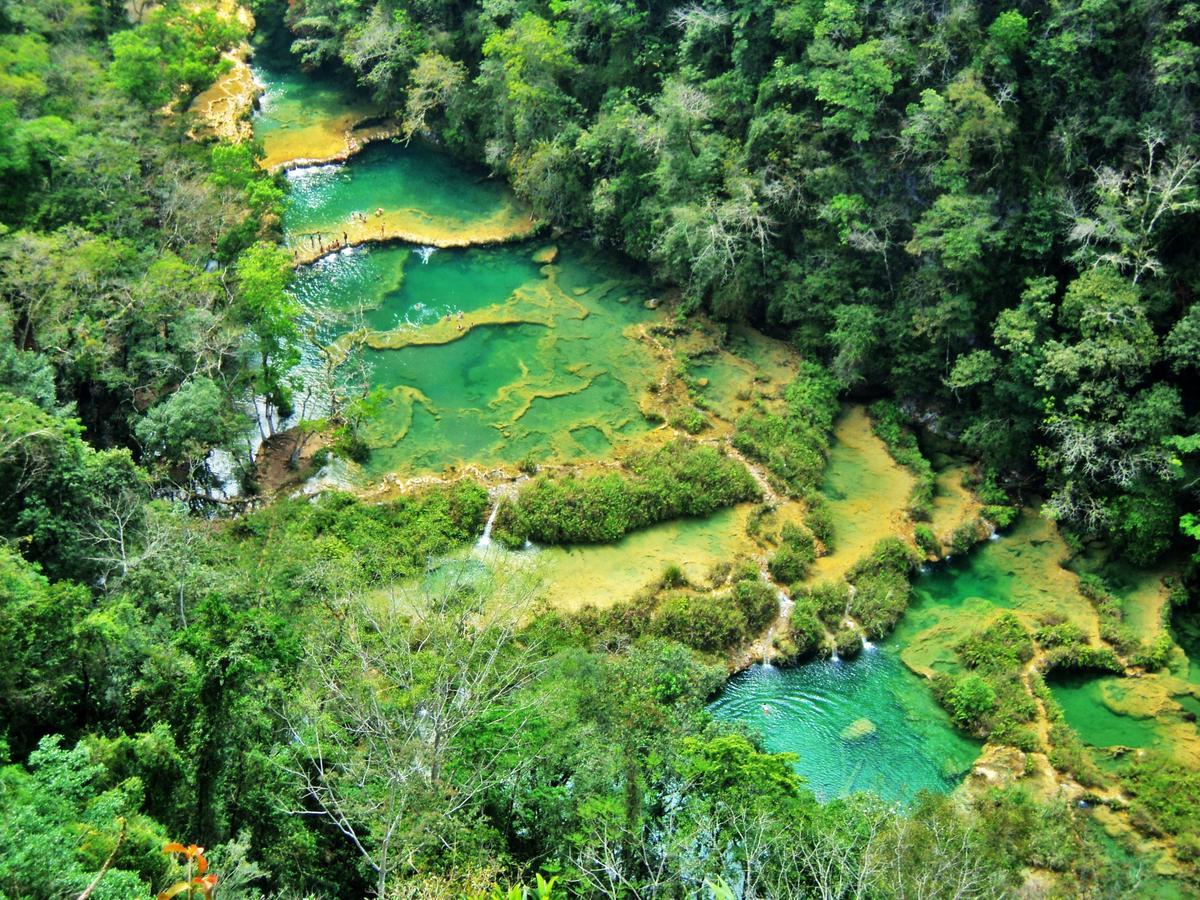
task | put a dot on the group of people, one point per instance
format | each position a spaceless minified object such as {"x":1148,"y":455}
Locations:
{"x":335,"y":244}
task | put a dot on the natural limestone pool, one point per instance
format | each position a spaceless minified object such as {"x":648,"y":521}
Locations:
{"x":867,"y":724}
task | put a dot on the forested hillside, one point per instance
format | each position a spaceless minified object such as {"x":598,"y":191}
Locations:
{"x":984,"y":213}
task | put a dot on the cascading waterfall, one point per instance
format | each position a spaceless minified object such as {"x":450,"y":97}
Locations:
{"x":485,"y":539}
{"x":425,"y":252}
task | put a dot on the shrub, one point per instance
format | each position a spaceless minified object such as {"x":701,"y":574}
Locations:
{"x":1081,"y":657}
{"x":965,"y":537}
{"x":1155,"y":654}
{"x":672,"y":576}
{"x":820,"y":521}
{"x":709,"y":622}
{"x":681,"y":479}
{"x":1059,"y":635}
{"x":1001,"y":516}
{"x":927,"y":541}
{"x":848,"y":642}
{"x":881,"y":586}
{"x":830,"y":600}
{"x":970,"y":699}
{"x":1068,"y":755}
{"x":796,"y":553}
{"x":1003,"y":646}
{"x":793,"y":445}
{"x":808,"y":633}
{"x":690,"y":420}
{"x":888,"y":422}
{"x":758,"y":602}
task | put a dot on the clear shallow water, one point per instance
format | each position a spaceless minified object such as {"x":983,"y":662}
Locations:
{"x":1087,"y":706}
{"x":482,"y":355}
{"x":866,"y":493}
{"x":485,"y":357}
{"x":303,"y":115}
{"x":424,"y":187}
{"x":605,"y":574}
{"x":1020,"y":572}
{"x":909,"y":746}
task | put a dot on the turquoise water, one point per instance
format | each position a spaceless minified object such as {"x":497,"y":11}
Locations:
{"x":912,"y":746}
{"x":1082,"y":699}
{"x":495,"y":358}
{"x":428,"y":185}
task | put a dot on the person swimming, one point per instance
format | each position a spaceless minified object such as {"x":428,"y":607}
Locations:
{"x":766,"y":710}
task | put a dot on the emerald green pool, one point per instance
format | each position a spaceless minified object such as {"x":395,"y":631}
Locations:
{"x":1085,"y":704}
{"x":414,"y":180}
{"x":546,"y":363}
{"x":302,"y":115}
{"x":811,"y":710}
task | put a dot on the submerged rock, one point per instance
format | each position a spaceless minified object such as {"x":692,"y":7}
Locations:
{"x":652,"y":303}
{"x":858,"y":729}
{"x":546,"y":255}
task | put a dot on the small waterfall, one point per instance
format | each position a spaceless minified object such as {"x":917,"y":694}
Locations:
{"x":867,"y":644}
{"x":485,"y":539}
{"x":425,"y":253}
{"x":993,"y":534}
{"x":833,"y":654}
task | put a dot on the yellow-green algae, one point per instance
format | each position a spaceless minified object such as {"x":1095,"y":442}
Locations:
{"x":603,"y":574}
{"x":486,"y":358}
{"x":223,"y":110}
{"x":953,"y":505}
{"x":866,"y":493}
{"x":1021,"y":572}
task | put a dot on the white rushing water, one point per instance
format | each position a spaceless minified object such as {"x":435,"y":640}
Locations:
{"x":485,"y":539}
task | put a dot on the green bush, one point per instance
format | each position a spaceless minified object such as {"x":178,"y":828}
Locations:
{"x":964,"y":538}
{"x":672,"y":576}
{"x":1067,"y":754}
{"x":820,"y":521}
{"x":681,"y":479}
{"x":1001,"y":516}
{"x":793,"y":445}
{"x":691,"y":420}
{"x":758,"y":601}
{"x":970,"y":699}
{"x":1155,"y":654}
{"x":927,"y":541}
{"x":830,"y":600}
{"x":708,"y":622}
{"x":1059,"y":635}
{"x":848,"y":642}
{"x":1003,"y":646}
{"x":795,"y":555}
{"x":881,"y":587}
{"x":808,"y":632}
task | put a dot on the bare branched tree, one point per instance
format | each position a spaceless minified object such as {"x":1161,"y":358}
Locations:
{"x":1120,"y":224}
{"x":377,"y":739}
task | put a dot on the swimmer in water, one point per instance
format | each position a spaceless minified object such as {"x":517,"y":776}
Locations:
{"x":766,"y":710}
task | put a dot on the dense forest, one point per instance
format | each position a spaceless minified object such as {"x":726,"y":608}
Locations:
{"x":983,"y":215}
